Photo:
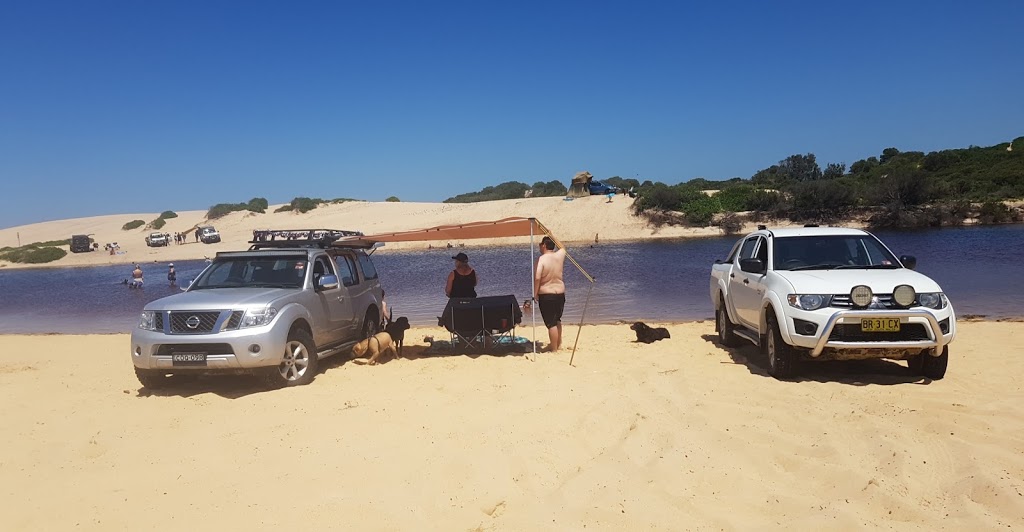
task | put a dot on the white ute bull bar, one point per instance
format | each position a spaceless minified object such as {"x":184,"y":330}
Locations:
{"x":937,"y":341}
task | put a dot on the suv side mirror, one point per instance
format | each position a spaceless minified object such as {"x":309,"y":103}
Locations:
{"x":909,"y":261}
{"x":327,"y":282}
{"x":752,"y":266}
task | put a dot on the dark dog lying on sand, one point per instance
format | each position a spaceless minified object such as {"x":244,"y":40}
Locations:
{"x":397,"y":330}
{"x":647,"y":334}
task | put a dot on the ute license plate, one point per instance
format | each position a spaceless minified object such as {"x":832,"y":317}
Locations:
{"x":880,"y":324}
{"x":188,"y":359}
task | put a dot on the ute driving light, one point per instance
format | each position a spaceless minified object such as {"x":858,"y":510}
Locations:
{"x":904,"y":295}
{"x":258,"y":317}
{"x":861,"y":296}
{"x":933,"y":300}
{"x":147,"y":320}
{"x":808,"y":301}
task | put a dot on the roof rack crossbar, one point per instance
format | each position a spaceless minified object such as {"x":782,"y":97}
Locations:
{"x":291,"y":238}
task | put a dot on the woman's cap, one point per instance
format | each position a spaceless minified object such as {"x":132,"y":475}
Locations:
{"x":462,"y":257}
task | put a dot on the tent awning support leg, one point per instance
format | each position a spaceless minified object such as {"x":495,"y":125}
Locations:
{"x":533,"y":274}
{"x":580,"y":329}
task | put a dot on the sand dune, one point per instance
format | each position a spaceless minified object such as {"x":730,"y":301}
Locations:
{"x":677,"y":435}
{"x":581,"y":220}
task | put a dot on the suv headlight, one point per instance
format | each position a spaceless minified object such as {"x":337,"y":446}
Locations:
{"x":933,"y":300}
{"x":258,"y":317}
{"x":147,"y":320}
{"x":809,"y":301}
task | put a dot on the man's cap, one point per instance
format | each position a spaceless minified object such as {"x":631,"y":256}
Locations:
{"x":172,"y":265}
{"x":461,"y":257}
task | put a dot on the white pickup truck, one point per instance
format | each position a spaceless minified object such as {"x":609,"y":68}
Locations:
{"x":823,"y":293}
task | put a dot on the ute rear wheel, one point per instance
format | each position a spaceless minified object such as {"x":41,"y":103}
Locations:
{"x":726,"y":334}
{"x":371,"y":325}
{"x":781,"y":356}
{"x":298,"y":363}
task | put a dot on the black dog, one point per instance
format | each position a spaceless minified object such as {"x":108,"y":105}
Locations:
{"x":397,"y":330}
{"x":647,"y":334}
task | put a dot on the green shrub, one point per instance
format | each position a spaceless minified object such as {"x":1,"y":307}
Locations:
{"x":730,"y":223}
{"x":31,"y":254}
{"x":393,"y":199}
{"x":287,"y":207}
{"x":167,"y":215}
{"x":259,"y":205}
{"x":222,"y":209}
{"x":158,"y":223}
{"x":701,"y":210}
{"x":994,"y":212}
{"x":134,"y":224}
{"x":301,"y":204}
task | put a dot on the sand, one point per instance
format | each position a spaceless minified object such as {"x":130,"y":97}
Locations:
{"x":580,"y":220}
{"x":677,"y":435}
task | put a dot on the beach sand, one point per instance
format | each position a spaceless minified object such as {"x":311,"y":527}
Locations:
{"x":580,"y":220}
{"x":676,"y":435}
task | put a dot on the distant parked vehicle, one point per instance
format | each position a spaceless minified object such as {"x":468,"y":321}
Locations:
{"x":155,"y":240}
{"x":600,"y":189}
{"x":82,"y":244}
{"x":208,"y":235}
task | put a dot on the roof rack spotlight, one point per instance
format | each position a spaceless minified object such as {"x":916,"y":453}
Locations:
{"x":297,"y":238}
{"x":810,"y":225}
{"x":761,"y":227}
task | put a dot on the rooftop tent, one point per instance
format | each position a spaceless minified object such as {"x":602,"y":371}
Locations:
{"x":507,"y":227}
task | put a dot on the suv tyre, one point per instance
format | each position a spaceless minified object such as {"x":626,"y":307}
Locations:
{"x":781,"y":356}
{"x":726,"y":336}
{"x":298,"y":362}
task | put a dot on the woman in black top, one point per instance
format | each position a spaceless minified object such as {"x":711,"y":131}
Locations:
{"x":462,"y":280}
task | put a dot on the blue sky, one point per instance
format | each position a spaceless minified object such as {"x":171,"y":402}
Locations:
{"x":116,"y":107}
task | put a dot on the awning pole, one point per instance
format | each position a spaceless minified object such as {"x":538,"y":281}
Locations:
{"x":533,"y":304}
{"x":582,"y":316}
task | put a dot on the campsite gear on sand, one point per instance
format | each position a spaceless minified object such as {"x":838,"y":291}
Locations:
{"x":475,"y":322}
{"x":507,"y":227}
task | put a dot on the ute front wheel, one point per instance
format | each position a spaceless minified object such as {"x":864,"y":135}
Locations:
{"x":781,"y":356}
{"x":932,"y":367}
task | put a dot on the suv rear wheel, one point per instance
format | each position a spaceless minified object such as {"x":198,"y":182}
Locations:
{"x":298,"y":362}
{"x":726,"y":336}
{"x":371,"y":325}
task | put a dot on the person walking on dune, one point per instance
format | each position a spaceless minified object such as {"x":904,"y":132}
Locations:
{"x":549,"y":290}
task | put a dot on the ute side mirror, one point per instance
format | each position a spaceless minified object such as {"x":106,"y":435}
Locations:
{"x":909,"y":261}
{"x":753,"y":266}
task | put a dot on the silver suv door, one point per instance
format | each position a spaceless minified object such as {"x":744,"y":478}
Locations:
{"x":336,"y":315}
{"x":742,"y":285}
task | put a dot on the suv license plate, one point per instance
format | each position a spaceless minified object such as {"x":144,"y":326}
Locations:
{"x":880,"y":325}
{"x":188,"y":359}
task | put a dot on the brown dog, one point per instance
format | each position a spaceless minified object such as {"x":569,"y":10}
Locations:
{"x":373,"y":347}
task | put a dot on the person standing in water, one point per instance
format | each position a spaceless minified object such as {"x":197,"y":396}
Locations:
{"x":172,"y":276}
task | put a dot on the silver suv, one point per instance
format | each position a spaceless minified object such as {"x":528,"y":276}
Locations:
{"x":276,"y":309}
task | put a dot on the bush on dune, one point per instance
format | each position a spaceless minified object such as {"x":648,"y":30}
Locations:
{"x":257,"y":205}
{"x":134,"y":224}
{"x":37,"y":253}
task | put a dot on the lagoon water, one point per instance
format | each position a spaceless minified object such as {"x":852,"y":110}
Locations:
{"x":979,"y":268}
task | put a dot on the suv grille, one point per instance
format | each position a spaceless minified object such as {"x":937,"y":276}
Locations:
{"x":234,"y":321}
{"x":185,"y":322}
{"x":850,"y":332}
{"x":158,"y":321}
{"x":843,"y":301}
{"x":212,"y":349}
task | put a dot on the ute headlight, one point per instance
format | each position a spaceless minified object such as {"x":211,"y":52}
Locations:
{"x":933,"y":300}
{"x":147,"y":320}
{"x":809,"y":301}
{"x":904,"y":295}
{"x":258,"y":317}
{"x":861,"y":296}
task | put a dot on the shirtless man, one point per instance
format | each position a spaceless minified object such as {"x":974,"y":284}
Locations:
{"x":549,"y":290}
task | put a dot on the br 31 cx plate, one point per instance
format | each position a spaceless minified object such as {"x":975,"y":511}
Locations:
{"x":880,"y":324}
{"x":188,"y":359}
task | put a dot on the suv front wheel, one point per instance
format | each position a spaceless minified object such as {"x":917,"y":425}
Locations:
{"x":298,"y":362}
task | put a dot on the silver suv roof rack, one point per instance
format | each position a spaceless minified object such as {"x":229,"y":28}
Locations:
{"x":297,"y":238}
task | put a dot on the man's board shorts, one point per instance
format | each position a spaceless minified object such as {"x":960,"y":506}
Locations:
{"x":551,"y":307}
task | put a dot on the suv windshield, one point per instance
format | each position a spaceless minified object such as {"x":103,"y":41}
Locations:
{"x":288,"y":271}
{"x":831,"y":252}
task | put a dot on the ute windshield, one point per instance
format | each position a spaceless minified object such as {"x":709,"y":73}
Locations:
{"x":254,"y":272}
{"x":829,"y":252}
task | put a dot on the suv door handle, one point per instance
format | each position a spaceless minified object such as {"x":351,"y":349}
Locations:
{"x":746,"y":281}
{"x":732,"y":275}
{"x":341,"y":298}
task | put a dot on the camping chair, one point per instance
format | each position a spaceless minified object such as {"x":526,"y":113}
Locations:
{"x":477,"y":322}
